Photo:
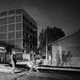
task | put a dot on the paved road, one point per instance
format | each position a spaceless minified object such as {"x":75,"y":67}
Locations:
{"x":51,"y":73}
{"x":44,"y":74}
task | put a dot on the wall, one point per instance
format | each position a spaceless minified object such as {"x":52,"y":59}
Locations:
{"x":68,"y":44}
{"x":26,"y":57}
{"x":2,"y":57}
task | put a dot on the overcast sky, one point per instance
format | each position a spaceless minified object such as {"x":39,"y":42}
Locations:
{"x":64,"y":14}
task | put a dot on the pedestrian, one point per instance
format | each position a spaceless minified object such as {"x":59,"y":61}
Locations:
{"x":34,"y":66}
{"x":13,"y":60}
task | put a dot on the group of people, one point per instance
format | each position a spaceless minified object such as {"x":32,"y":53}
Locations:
{"x":34,"y":64}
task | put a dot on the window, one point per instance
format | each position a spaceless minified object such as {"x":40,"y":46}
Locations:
{"x":5,"y":40}
{"x":31,"y":30}
{"x":19,"y":43}
{"x":24,"y":44}
{"x":11,"y":12}
{"x":18,"y":11}
{"x":35,"y":29}
{"x":18,"y":18}
{"x":18,"y":26}
{"x":11,"y":42}
{"x":25,"y":27}
{"x":25,"y":19}
{"x":18,"y":34}
{"x":3,"y":14}
{"x":3,"y":21}
{"x":11,"y":19}
{"x":3,"y":28}
{"x":3,"y":35}
{"x":30,"y":46}
{"x":11,"y":27}
{"x":31,"y":24}
{"x":11,"y":35}
{"x":28,"y":28}
{"x":25,"y":36}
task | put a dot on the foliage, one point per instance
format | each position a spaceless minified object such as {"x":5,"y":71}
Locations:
{"x":42,"y":38}
{"x":49,"y":34}
{"x":54,"y":33}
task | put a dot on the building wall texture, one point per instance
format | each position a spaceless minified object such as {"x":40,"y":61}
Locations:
{"x":14,"y":24}
{"x":18,"y":28}
{"x":70,"y":46}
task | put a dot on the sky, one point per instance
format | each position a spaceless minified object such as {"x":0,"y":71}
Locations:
{"x":64,"y":14}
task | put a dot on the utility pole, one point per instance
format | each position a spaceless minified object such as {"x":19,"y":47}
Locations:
{"x":46,"y":48}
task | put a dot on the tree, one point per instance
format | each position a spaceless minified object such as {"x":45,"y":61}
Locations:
{"x":42,"y":39}
{"x":54,"y":33}
{"x":51,"y":34}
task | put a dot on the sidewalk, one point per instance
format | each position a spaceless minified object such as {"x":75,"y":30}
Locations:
{"x":21,"y":74}
{"x":4,"y":68}
{"x":44,"y":74}
{"x":5,"y":72}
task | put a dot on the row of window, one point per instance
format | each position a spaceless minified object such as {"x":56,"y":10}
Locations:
{"x":11,"y":12}
{"x":15,"y":42}
{"x":29,"y":22}
{"x":26,"y":28}
{"x":12,"y":19}
{"x":11,"y":35}
{"x":29,"y":45}
{"x":29,"y":38}
{"x":11,"y":27}
{"x":18,"y":43}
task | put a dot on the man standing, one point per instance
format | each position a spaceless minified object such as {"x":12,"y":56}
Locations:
{"x":13,"y":60}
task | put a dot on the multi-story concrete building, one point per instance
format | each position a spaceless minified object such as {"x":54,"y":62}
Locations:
{"x":18,"y":28}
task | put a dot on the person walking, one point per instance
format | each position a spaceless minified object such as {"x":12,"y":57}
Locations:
{"x":13,"y":60}
{"x":34,"y":65}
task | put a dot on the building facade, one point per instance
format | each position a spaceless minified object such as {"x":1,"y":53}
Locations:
{"x":18,"y":28}
{"x":66,"y":51}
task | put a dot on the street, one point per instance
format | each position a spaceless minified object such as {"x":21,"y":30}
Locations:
{"x":44,"y":74}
